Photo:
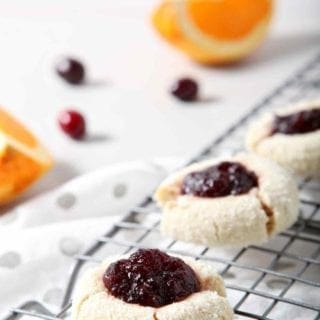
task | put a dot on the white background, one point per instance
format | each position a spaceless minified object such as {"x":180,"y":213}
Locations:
{"x":129,"y":111}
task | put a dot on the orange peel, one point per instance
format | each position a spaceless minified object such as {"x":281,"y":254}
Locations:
{"x":23,"y":159}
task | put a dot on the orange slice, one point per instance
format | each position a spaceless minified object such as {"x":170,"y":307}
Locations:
{"x":22,"y":159}
{"x":214,"y":31}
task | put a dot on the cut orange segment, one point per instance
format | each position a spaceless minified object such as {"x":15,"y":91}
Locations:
{"x":22,"y":158}
{"x":214,"y":31}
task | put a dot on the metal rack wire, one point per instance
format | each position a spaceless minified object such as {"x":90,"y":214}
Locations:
{"x":279,"y":270}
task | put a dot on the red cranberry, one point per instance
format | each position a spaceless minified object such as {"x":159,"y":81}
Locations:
{"x":72,"y":123}
{"x":152,"y":278}
{"x":300,"y":122}
{"x":223,"y":179}
{"x":71,"y":70}
{"x":185,"y":89}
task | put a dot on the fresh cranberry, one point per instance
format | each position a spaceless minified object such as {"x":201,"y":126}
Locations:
{"x":71,"y":70}
{"x":300,"y":122}
{"x":152,"y":278}
{"x":185,"y":89}
{"x":223,"y":179}
{"x":72,"y":123}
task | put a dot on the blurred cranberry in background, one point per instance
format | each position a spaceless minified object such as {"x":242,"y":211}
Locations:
{"x":185,"y":89}
{"x":71,"y":70}
{"x":72,"y":123}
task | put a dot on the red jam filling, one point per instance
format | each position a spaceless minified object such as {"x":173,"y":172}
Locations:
{"x":152,"y":278}
{"x":300,"y":122}
{"x":223,"y":179}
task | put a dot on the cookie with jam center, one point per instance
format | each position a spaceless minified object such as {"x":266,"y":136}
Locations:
{"x":156,"y":286}
{"x":289,"y":136}
{"x":233,"y":202}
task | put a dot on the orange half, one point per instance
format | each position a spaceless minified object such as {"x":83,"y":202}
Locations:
{"x":214,"y":31}
{"x":23,"y":159}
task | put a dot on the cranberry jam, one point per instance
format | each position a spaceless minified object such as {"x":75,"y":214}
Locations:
{"x":223,"y":179}
{"x":152,"y":278}
{"x":300,"y":122}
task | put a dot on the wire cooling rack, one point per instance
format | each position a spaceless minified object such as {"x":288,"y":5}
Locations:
{"x":278,"y":280}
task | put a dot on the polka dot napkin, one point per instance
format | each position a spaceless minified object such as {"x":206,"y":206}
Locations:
{"x":39,"y":238}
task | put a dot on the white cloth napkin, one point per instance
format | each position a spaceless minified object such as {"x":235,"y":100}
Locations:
{"x":39,"y":238}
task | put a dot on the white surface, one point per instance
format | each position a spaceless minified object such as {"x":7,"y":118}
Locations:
{"x":129,"y":111}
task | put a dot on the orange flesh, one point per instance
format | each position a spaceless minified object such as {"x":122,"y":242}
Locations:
{"x":11,"y":127}
{"x":17,"y":172}
{"x":227,"y":19}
